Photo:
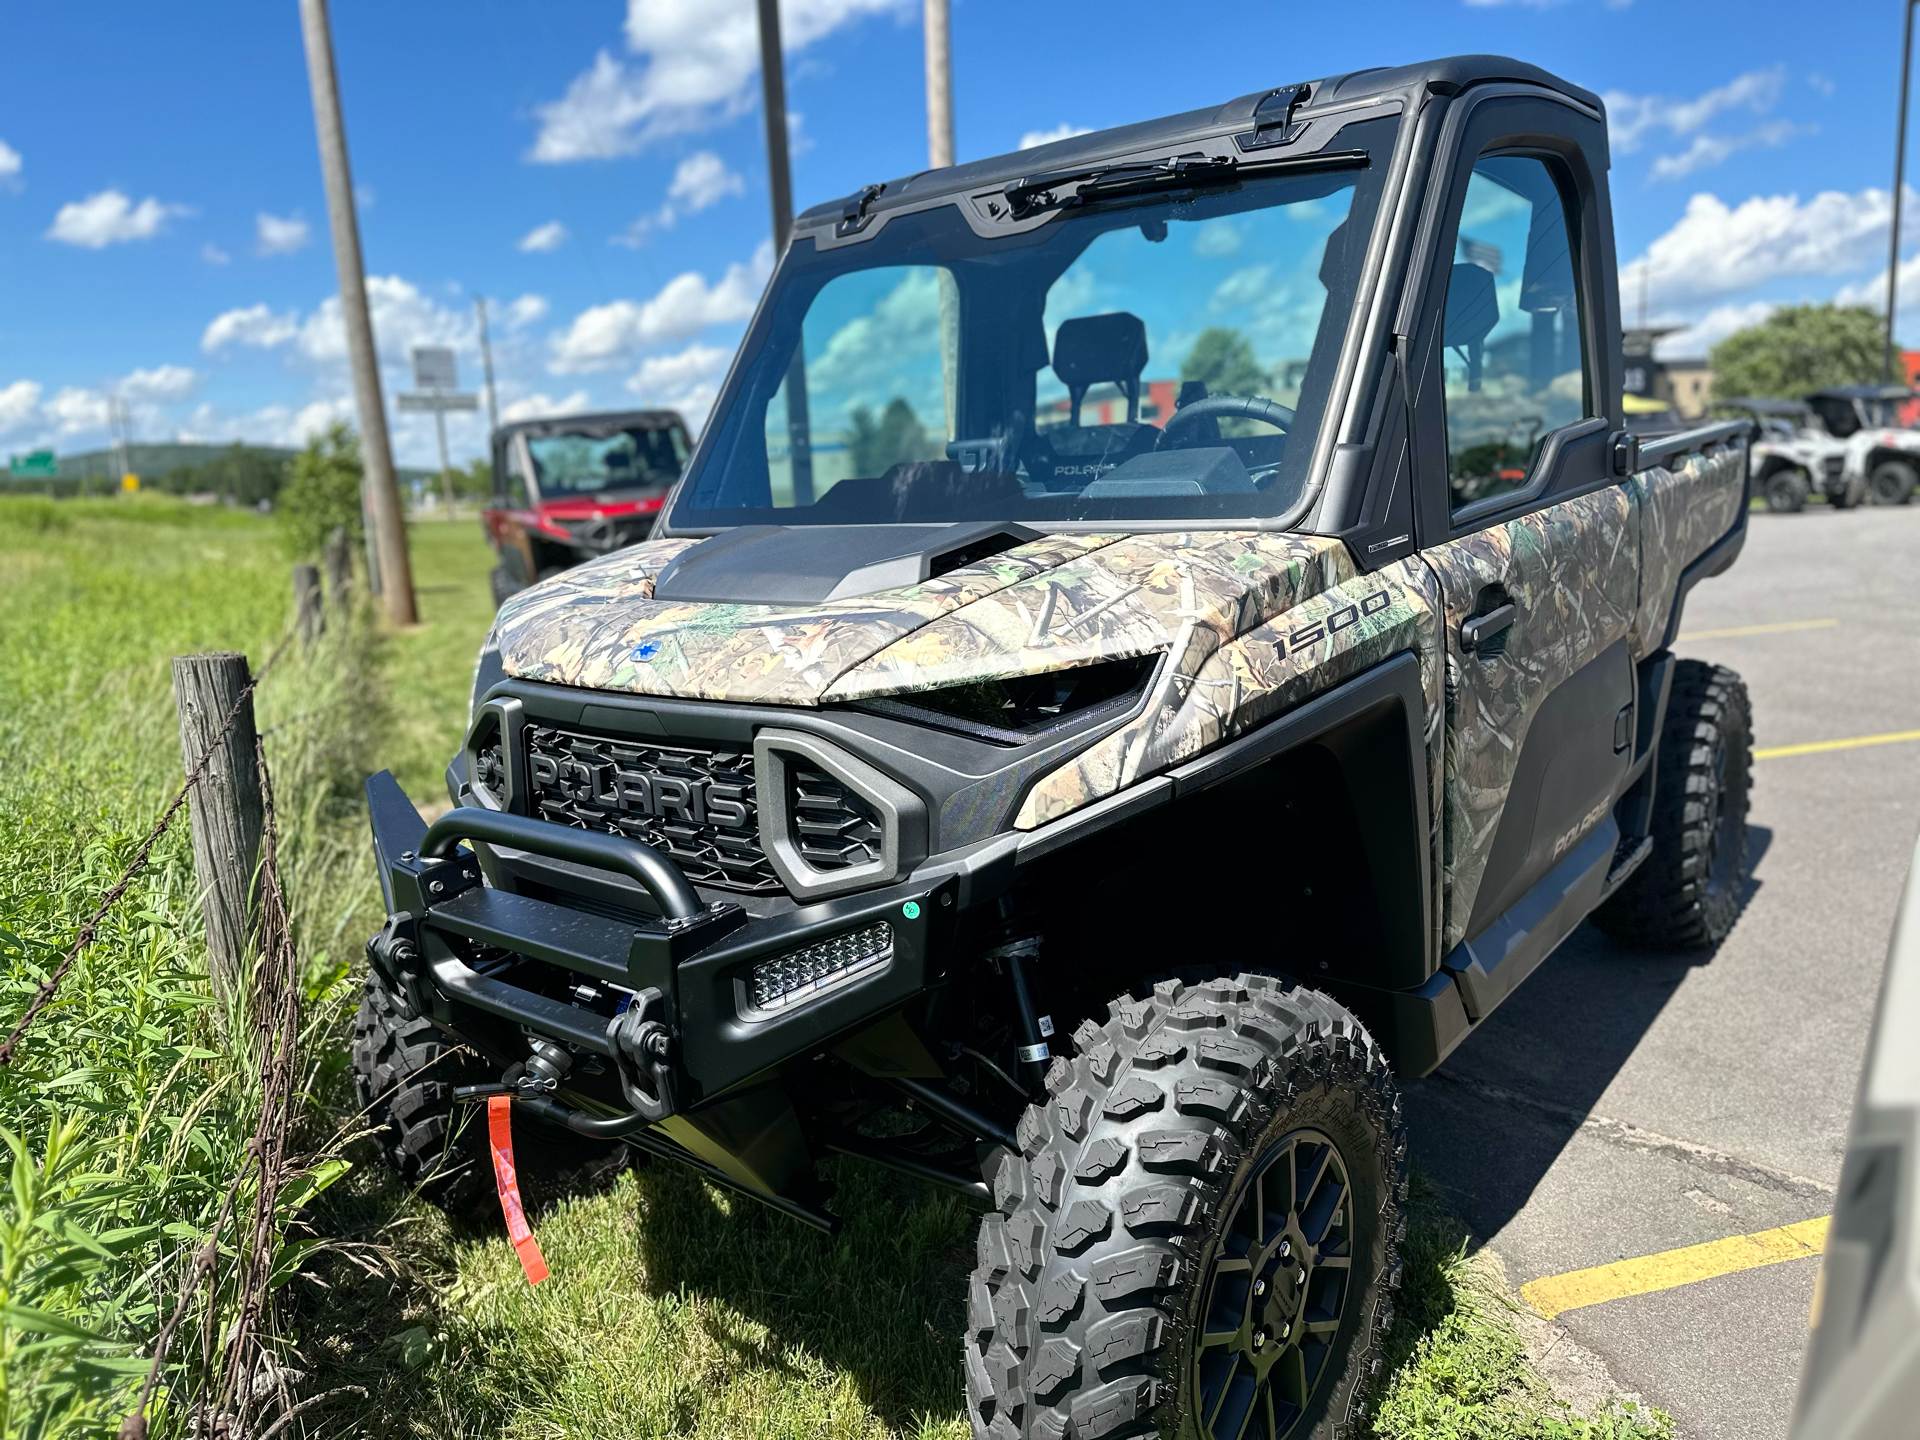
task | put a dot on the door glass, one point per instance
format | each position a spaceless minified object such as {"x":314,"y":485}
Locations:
{"x":1513,"y":339}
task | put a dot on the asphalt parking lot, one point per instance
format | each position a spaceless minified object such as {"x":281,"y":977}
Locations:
{"x":1623,"y":1104}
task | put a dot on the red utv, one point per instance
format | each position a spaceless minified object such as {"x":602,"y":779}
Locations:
{"x":568,"y":489}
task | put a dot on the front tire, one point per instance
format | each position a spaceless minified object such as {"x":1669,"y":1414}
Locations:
{"x":1688,"y":893}
{"x":1892,"y":482}
{"x":1786,"y":491}
{"x":503,"y":585}
{"x":1133,"y":1279}
{"x":404,"y":1074}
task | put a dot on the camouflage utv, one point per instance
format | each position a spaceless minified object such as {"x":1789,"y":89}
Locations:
{"x":1162,"y":632}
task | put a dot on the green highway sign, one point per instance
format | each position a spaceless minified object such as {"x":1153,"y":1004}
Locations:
{"x":34,"y":462}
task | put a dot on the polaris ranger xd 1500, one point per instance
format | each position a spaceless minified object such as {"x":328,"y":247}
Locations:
{"x":1102,"y":700}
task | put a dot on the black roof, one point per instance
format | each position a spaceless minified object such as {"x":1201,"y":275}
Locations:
{"x":1864,"y":392}
{"x":1765,"y":407}
{"x":1446,"y":77}
{"x":602,"y":423}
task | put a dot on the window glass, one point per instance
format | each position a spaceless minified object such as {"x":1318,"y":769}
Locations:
{"x":931,"y":371}
{"x":875,"y":391}
{"x":567,"y":466}
{"x":1513,"y":367}
{"x":516,"y":481}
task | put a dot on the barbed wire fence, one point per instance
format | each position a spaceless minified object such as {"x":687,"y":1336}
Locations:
{"x":236,"y":1390}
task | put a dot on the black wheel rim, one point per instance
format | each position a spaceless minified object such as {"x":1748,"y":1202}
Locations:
{"x":1275,"y":1292}
{"x":1723,"y":848}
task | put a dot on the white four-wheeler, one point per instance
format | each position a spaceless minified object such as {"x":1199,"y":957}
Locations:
{"x":1882,"y":448}
{"x":1846,"y":443}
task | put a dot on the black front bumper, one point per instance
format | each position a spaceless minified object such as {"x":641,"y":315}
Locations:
{"x":482,"y":962}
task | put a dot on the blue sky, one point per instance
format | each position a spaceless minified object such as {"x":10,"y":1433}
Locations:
{"x":596,"y":171}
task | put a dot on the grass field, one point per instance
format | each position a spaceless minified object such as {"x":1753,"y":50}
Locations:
{"x":673,"y":1309}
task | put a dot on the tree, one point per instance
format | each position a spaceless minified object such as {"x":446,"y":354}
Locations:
{"x":1223,"y":358}
{"x":322,"y":491}
{"x":875,"y":447}
{"x":1801,"y":348}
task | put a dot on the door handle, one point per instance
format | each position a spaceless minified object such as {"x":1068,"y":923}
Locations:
{"x":1479,"y":629}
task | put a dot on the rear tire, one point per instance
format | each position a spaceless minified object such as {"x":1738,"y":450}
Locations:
{"x":1156,"y":1188}
{"x":404,"y":1074}
{"x":1786,"y":492}
{"x":1687,"y":894}
{"x":1892,"y":482}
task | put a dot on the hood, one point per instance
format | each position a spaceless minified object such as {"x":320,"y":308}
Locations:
{"x":617,"y":502}
{"x":738,"y":623}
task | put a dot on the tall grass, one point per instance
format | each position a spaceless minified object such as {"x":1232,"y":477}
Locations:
{"x":128,"y":1105}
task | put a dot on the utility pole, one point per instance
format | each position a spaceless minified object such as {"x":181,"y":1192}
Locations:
{"x":939,"y":86}
{"x":486,"y":368}
{"x":773,"y":94}
{"x":1899,"y":182}
{"x":395,"y":570}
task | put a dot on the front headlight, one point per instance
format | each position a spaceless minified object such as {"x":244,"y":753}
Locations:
{"x":1023,"y":708}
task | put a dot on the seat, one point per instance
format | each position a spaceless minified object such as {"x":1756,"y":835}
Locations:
{"x":1101,"y":350}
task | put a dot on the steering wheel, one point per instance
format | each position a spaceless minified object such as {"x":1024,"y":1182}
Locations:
{"x":1221,"y":407}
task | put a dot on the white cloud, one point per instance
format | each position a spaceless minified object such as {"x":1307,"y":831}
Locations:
{"x":1874,"y":292}
{"x":535,"y":407}
{"x":213,"y":254}
{"x":526,"y":310}
{"x":702,"y":180}
{"x":279,"y":235}
{"x":162,"y":384}
{"x":1710,"y":150}
{"x":1632,"y":118}
{"x":10,"y":165}
{"x":1709,"y":330}
{"x":255,"y":325}
{"x":403,"y":317}
{"x":699,"y":61}
{"x":74,"y":410}
{"x":19,"y":404}
{"x":110,"y":218}
{"x":544,"y":239}
{"x":605,"y":335}
{"x":1717,"y":250}
{"x":1065,"y":130}
{"x":688,"y":381}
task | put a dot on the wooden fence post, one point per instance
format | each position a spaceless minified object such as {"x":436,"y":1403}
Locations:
{"x":228,"y":814}
{"x":307,"y":615}
{"x":339,"y":556}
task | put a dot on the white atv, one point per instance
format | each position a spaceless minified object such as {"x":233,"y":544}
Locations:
{"x":1847,"y":443}
{"x":1883,"y":449}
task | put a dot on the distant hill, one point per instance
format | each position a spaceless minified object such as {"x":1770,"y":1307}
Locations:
{"x":151,"y":461}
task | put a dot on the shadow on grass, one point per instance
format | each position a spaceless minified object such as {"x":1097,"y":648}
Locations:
{"x":883,"y":1302}
{"x":676,"y":1307}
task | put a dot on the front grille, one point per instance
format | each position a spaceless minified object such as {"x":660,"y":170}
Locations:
{"x":694,"y":805}
{"x":834,"y":827}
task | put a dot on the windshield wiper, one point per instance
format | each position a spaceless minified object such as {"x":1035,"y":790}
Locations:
{"x":1060,"y":188}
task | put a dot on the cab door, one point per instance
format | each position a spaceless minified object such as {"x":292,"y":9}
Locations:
{"x":1531,"y":536}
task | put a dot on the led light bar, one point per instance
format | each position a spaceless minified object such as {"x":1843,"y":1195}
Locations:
{"x":799,"y":975}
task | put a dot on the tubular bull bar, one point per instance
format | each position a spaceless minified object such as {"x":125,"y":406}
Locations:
{"x":689,"y":1030}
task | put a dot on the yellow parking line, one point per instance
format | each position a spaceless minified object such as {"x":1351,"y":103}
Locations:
{"x":1556,"y":1294}
{"x":1784,"y":625}
{"x":1818,"y":746}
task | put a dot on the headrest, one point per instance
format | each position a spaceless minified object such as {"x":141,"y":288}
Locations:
{"x":1473,"y":306}
{"x":1093,"y":349}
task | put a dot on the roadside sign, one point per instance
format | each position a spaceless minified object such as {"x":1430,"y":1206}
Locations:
{"x":437,"y":400}
{"x":34,"y":462}
{"x":433,"y":368}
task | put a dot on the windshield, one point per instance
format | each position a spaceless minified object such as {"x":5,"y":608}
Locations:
{"x":569,"y":466}
{"x":1166,"y":359}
